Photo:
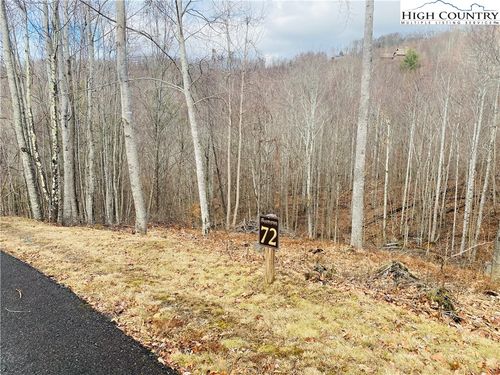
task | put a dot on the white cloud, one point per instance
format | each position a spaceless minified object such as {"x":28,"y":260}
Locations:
{"x":292,"y":27}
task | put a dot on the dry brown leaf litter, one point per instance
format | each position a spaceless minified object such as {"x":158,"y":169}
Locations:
{"x":201,"y":305}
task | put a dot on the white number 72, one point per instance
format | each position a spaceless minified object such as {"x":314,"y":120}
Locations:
{"x":272,"y":241}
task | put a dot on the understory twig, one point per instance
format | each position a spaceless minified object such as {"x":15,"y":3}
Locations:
{"x":17,"y":311}
{"x":470,"y":248}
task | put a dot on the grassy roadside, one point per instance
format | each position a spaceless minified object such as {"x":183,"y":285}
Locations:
{"x":201,"y":305}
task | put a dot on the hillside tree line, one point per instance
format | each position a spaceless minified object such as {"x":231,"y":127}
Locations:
{"x":164,"y":112}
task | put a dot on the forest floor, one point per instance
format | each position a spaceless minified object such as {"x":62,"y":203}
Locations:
{"x":202,"y":306}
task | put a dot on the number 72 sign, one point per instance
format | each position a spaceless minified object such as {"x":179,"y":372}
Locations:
{"x":269,"y":231}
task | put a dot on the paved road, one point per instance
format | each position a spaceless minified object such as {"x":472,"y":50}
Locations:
{"x":49,"y":330}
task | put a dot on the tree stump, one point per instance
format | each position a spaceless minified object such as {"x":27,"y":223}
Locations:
{"x":397,"y":271}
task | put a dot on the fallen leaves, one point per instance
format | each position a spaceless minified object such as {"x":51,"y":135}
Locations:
{"x":200,"y":303}
{"x":438,"y":357}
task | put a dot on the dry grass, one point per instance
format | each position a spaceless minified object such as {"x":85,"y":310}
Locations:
{"x":201,"y":304}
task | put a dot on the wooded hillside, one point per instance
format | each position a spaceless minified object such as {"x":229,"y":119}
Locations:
{"x":277,"y":137}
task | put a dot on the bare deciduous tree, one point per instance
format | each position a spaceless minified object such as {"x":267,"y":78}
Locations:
{"x":26,"y":159}
{"x":186,"y":79}
{"x":358,"y":187}
{"x":289,"y":145}
{"x":128,"y":128}
{"x":69,"y":214}
{"x":90,"y":175}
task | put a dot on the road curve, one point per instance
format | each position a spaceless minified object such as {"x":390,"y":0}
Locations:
{"x":46,"y":329}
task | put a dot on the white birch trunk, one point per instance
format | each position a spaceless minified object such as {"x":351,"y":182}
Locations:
{"x":90,"y":176}
{"x":69,"y":199}
{"x":240,"y":127}
{"x":29,"y":114}
{"x":386,"y":179}
{"x":440,"y":165}
{"x":186,"y":79}
{"x":358,"y":188}
{"x":28,"y":172}
{"x":445,"y":186}
{"x":489,"y":157}
{"x":472,"y":173}
{"x":72,"y":115}
{"x":407,"y":174}
{"x":128,"y":129}
{"x":50,"y":28}
{"x":229,"y":122}
{"x":310,"y":143}
{"x":309,"y":207}
{"x":455,"y":201}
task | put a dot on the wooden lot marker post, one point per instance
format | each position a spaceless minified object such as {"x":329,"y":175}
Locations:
{"x":269,"y":237}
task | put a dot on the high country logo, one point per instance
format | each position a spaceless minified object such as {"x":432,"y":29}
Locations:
{"x":452,"y":12}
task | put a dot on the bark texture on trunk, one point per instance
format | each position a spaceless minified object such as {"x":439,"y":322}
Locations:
{"x":469,"y":195}
{"x":90,"y":175}
{"x":29,"y":175}
{"x":358,"y":187}
{"x":128,"y":129}
{"x":386,"y":178}
{"x":440,"y":165}
{"x":489,"y":158}
{"x":50,"y":28}
{"x":240,"y":127}
{"x":69,"y":195}
{"x":495,"y":266}
{"x":230,"y":118}
{"x":30,"y":123}
{"x":198,"y":155}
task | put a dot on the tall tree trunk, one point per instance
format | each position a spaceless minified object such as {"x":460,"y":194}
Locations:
{"x":90,"y":175}
{"x":407,"y":175}
{"x":50,"y":31}
{"x":28,"y":171}
{"x":217,"y":169}
{"x":69,"y":195}
{"x":240,"y":126}
{"x":375,"y":159}
{"x":229,"y":117}
{"x":445,"y":185}
{"x":489,"y":157}
{"x":495,"y":266}
{"x":229,"y":131}
{"x":309,"y":151}
{"x":130,"y":140}
{"x":186,"y":79}
{"x":106,"y":171}
{"x":358,"y":188}
{"x":309,"y":205}
{"x":455,"y":200}
{"x":386,"y":178}
{"x":29,"y":113}
{"x":440,"y":164}
{"x":472,"y":172}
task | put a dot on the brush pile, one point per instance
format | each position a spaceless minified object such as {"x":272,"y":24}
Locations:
{"x":397,"y":271}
